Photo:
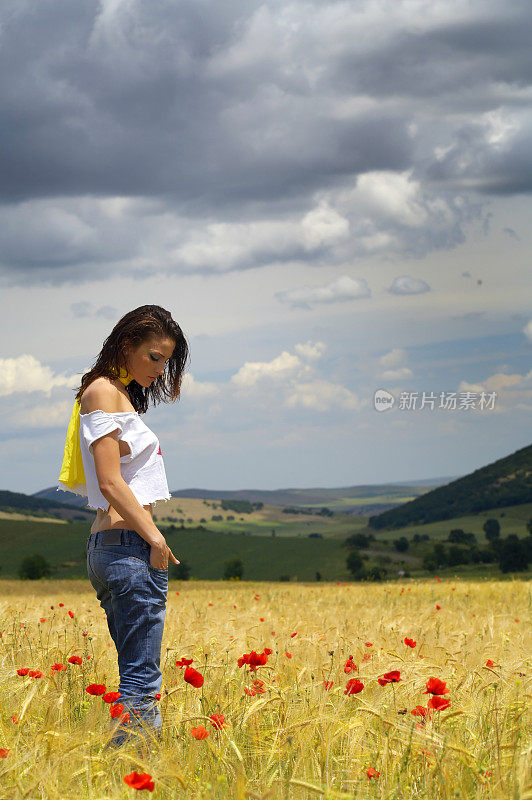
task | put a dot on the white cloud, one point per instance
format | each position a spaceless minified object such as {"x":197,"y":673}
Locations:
{"x":404,"y":284}
{"x":27,"y":374}
{"x":287,"y":380}
{"x":197,"y":389}
{"x":527,"y":330}
{"x":339,"y":290}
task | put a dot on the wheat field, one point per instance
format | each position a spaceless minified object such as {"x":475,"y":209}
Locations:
{"x":325,"y":713}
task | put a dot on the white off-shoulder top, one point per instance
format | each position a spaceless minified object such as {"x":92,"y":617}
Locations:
{"x":142,"y":469}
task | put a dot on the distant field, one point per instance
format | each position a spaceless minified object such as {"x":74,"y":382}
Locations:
{"x":290,"y":552}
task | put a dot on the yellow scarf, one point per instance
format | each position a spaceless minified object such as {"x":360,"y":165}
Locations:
{"x":72,"y":472}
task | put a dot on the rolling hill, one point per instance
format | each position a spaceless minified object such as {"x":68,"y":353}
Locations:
{"x":505,"y":482}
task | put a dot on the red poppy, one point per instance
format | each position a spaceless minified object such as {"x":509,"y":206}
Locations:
{"x":328,"y":684}
{"x":288,"y":655}
{"x":218,"y":720}
{"x":199,"y":732}
{"x":293,"y":634}
{"x":140,"y":781}
{"x":71,"y":614}
{"x":390,"y":677}
{"x":436,"y":686}
{"x":74,"y":660}
{"x":116,"y":709}
{"x":96,"y":689}
{"x":371,"y":772}
{"x":111,"y":697}
{"x":194,"y":677}
{"x":438,"y":703}
{"x":254,"y":659}
{"x":410,"y":642}
{"x":353,"y":686}
{"x":184,"y":662}
{"x":3,"y":752}
{"x":350,"y":665}
{"x":490,"y":663}
{"x":158,"y":696}
{"x":35,"y":673}
{"x":57,"y":667}
{"x":420,"y":711}
{"x":23,"y":670}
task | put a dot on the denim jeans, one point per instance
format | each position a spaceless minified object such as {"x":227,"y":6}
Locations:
{"x":133,"y":595}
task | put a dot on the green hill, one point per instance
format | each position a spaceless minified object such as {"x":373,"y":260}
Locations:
{"x":506,"y":482}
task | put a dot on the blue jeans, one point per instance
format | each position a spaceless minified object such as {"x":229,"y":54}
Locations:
{"x":133,"y":595}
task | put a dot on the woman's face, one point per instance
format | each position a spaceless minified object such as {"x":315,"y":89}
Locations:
{"x":147,"y":361}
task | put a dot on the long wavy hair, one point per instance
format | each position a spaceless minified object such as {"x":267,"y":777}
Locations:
{"x":133,"y":329}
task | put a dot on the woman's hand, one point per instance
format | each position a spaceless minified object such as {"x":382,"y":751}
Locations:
{"x":160,"y":554}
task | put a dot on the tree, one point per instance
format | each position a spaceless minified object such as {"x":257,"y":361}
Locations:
{"x":357,"y":540}
{"x":492,"y":529}
{"x":512,"y":555}
{"x":181,"y":571}
{"x":234,"y":568}
{"x":34,"y":567}
{"x":457,"y":555}
{"x":354,"y":562}
{"x":401,"y":544}
{"x":529,"y":525}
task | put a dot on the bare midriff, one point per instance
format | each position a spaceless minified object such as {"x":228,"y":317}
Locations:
{"x":111,"y":519}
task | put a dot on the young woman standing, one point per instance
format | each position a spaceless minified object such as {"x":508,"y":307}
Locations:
{"x":115,"y":460}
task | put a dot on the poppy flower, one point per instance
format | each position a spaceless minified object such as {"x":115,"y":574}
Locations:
{"x":157,"y":696}
{"x":35,"y":673}
{"x":194,"y":677}
{"x":350,"y":665}
{"x":184,"y":662}
{"x":199,"y":732}
{"x":438,"y":703}
{"x":366,"y":657}
{"x":74,"y":660}
{"x":353,"y":686}
{"x":438,"y":607}
{"x":96,"y":689}
{"x":71,"y":614}
{"x":390,"y":677}
{"x":254,"y":659}
{"x":371,"y":772}
{"x":23,"y":670}
{"x":490,"y":663}
{"x":410,"y":642}
{"x":3,"y":752}
{"x":57,"y":667}
{"x":420,"y":711}
{"x":435,"y":686}
{"x":140,"y":781}
{"x":218,"y":720}
{"x":293,"y":634}
{"x":111,"y":697}
{"x":327,"y":684}
{"x":288,"y":655}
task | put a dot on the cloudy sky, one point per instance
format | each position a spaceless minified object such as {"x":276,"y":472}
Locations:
{"x":332,"y":198}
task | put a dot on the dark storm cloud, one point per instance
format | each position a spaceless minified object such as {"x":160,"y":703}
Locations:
{"x":243,"y":111}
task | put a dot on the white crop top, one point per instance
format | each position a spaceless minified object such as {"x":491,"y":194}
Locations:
{"x":142,"y":468}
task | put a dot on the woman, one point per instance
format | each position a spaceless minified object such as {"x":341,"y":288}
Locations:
{"x":115,"y":460}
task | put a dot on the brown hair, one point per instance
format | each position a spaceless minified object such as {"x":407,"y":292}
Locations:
{"x":134,"y":328}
